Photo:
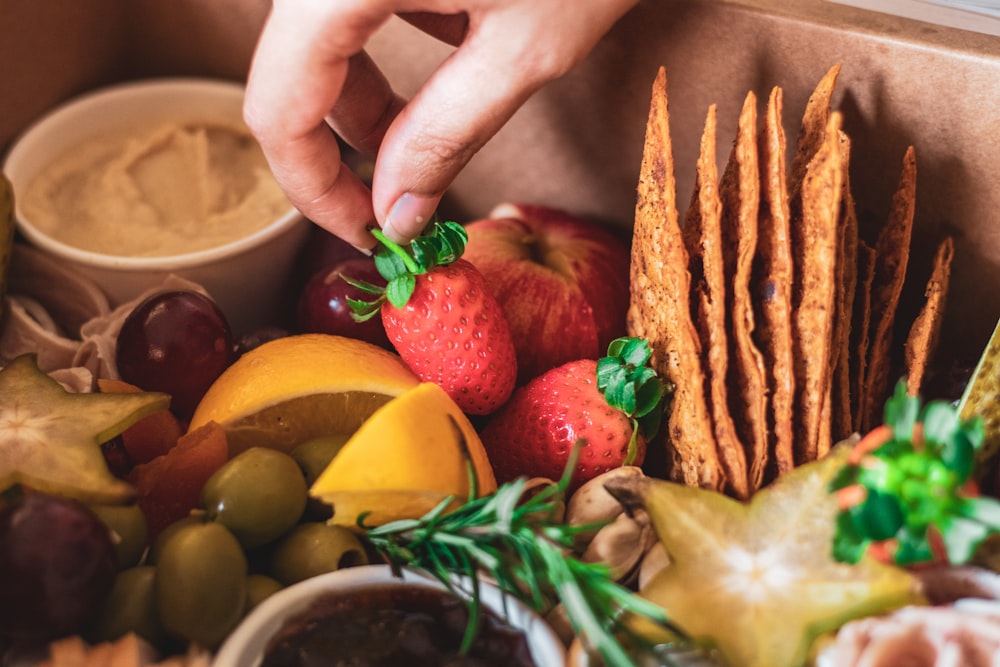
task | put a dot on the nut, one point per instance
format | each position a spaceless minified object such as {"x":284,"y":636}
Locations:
{"x":592,"y":504}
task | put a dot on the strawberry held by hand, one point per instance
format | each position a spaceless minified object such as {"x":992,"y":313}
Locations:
{"x":610,"y":407}
{"x":442,"y":319}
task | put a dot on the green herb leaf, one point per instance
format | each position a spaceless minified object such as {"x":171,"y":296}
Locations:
{"x":915,"y":486}
{"x":518,"y":541}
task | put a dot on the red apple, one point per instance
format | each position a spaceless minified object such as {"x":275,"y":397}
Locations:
{"x":561,"y":280}
{"x":323,"y":306}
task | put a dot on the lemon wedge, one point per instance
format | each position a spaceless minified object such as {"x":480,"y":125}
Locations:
{"x":296,"y":388}
{"x":410,"y":455}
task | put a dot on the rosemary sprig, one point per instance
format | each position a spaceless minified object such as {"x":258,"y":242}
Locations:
{"x":518,"y":542}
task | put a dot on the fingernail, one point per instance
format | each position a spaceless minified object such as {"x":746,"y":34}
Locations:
{"x":408,"y":217}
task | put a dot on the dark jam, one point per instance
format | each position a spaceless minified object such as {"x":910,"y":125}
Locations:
{"x":394,"y":626}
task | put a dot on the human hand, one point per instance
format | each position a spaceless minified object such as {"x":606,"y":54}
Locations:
{"x":310,"y":74}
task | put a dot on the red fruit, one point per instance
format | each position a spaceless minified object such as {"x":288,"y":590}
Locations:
{"x":57,"y":567}
{"x":324,"y":305}
{"x":552,"y":272}
{"x":452,"y":332}
{"x":442,"y":319}
{"x":581,"y":402}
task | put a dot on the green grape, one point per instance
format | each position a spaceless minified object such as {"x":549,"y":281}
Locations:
{"x":131,"y":607}
{"x":201,"y":584}
{"x":258,"y":495}
{"x":315,"y":548}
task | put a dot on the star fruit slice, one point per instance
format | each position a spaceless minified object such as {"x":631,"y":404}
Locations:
{"x":980,"y":398}
{"x":758,"y":580}
{"x":50,"y":439}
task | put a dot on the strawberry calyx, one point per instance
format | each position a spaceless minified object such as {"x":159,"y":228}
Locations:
{"x":441,"y":245}
{"x":631,"y":386}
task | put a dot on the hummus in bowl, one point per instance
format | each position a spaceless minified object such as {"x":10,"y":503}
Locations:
{"x":135,"y":182}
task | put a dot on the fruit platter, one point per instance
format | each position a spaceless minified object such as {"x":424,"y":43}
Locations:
{"x":715,"y":439}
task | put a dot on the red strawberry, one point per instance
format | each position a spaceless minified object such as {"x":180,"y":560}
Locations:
{"x":610,"y":408}
{"x":443,"y":320}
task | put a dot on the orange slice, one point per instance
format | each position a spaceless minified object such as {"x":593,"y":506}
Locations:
{"x":410,"y":455}
{"x":292,"y":389}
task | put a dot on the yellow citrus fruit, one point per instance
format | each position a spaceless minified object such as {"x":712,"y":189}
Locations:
{"x":411,"y":454}
{"x":292,"y":389}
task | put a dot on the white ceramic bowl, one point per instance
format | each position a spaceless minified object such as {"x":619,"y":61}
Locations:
{"x":245,"y":646}
{"x":247,"y":277}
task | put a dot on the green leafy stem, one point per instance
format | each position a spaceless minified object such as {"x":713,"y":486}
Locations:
{"x":630,"y":385}
{"x":442,"y":244}
{"x":910,"y":487}
{"x":517,"y":540}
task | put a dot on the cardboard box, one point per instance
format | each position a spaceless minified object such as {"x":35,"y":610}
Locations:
{"x":577,"y":143}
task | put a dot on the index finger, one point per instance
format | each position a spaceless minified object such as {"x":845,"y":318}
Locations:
{"x":296,"y":77}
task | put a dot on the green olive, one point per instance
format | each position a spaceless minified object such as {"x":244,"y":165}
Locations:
{"x":259,"y":588}
{"x":258,"y":495}
{"x":156,"y":548}
{"x":201,"y":583}
{"x":314,"y":455}
{"x":314,"y":548}
{"x":130,"y":607}
{"x":129,"y":531}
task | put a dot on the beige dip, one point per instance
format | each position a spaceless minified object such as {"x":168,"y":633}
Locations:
{"x":166,"y":191}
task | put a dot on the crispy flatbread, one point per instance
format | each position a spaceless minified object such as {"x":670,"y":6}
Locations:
{"x":703,"y":238}
{"x":921,"y":342}
{"x":812,"y":133}
{"x":659,"y":307}
{"x":740,"y":191}
{"x":841,"y":422}
{"x":860,"y":331}
{"x":774,"y":285}
{"x":815,"y":251}
{"x":892,"y":253}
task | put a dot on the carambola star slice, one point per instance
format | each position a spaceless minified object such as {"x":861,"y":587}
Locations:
{"x":50,"y":439}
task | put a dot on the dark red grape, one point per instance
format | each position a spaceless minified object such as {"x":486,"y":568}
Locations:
{"x":176,"y":342}
{"x":254,"y":339}
{"x":323,"y":251}
{"x":57,"y":566}
{"x":323,"y":306}
{"x":117,"y":457}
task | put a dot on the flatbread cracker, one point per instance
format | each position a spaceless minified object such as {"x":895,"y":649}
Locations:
{"x":740,"y":192}
{"x":815,"y":247}
{"x":892,"y":251}
{"x":703,"y":238}
{"x":774,"y":285}
{"x":921,"y":342}
{"x":860,"y":332}
{"x":659,"y":308}
{"x":812,"y":133}
{"x":841,"y":422}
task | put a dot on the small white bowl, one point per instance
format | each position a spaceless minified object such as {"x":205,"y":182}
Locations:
{"x":247,"y":277}
{"x":245,"y":646}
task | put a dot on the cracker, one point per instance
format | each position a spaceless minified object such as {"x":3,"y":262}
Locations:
{"x":860,"y":331}
{"x":815,"y":246}
{"x":841,"y":422}
{"x":892,"y":252}
{"x":921,"y":342}
{"x":812,"y":134}
{"x":740,"y":192}
{"x":703,"y":238}
{"x":773,"y":285}
{"x":659,"y":308}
